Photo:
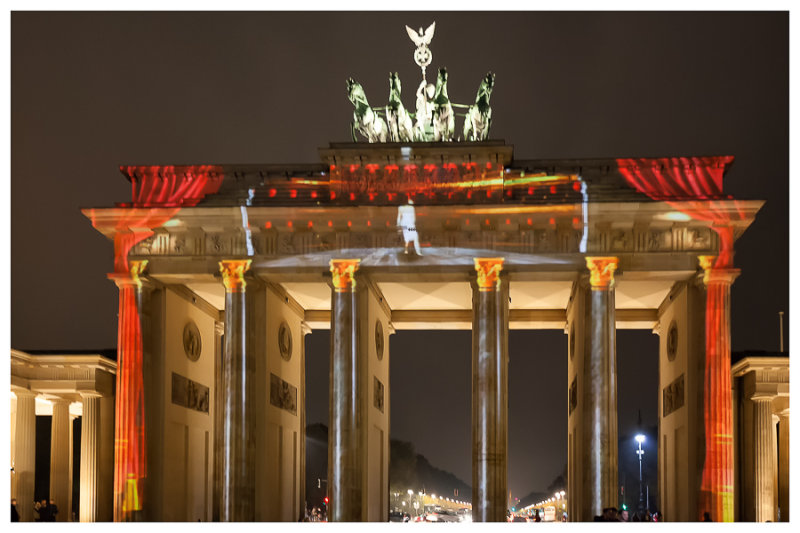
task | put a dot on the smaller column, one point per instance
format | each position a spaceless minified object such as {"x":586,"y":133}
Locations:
{"x":783,"y":465}
{"x":25,"y":453}
{"x":89,"y":456}
{"x":764,"y":474}
{"x":60,"y":459}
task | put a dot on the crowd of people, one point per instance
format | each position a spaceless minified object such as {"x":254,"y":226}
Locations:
{"x":612,"y":514}
{"x":47,"y":511}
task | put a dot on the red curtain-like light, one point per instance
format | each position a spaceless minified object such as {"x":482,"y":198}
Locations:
{"x":691,"y":185}
{"x":694,"y":186}
{"x":158,"y":194}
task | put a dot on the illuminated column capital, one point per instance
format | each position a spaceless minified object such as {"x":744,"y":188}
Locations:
{"x":233,"y":271}
{"x":488,"y":269}
{"x":601,"y":271}
{"x":344,"y":271}
{"x":716,"y":275}
{"x":133,"y":277}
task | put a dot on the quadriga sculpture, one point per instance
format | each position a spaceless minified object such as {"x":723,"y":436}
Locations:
{"x":365,"y":120}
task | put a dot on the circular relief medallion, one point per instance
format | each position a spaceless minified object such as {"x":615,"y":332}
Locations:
{"x":572,"y":340}
{"x":285,"y":341}
{"x":379,"y":339}
{"x":192,"y":343}
{"x":672,"y":341}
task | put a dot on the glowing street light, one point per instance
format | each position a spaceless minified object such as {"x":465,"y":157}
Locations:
{"x":640,"y":452}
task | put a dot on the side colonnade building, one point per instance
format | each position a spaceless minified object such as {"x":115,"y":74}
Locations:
{"x":223,"y":270}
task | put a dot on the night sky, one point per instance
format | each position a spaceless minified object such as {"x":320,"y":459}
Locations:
{"x":92,"y":91}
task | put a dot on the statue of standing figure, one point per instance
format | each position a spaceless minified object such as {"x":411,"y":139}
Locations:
{"x":423,"y":129}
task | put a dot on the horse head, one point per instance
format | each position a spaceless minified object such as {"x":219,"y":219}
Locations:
{"x":485,"y":89}
{"x":355,"y":93}
{"x":394,"y":83}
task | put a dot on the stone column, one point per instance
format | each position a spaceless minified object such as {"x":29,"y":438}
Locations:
{"x":783,"y":465}
{"x":600,"y":390}
{"x":89,"y":457}
{"x":219,"y":350}
{"x":489,"y":392}
{"x":238,"y":484}
{"x":60,"y":459}
{"x":345,"y":442}
{"x":764,"y":474}
{"x":130,"y":459}
{"x":716,"y":489}
{"x":25,"y":453}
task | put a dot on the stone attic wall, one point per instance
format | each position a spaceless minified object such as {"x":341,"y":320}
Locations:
{"x":188,"y":432}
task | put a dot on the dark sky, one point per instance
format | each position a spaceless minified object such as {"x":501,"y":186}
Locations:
{"x":91,"y":91}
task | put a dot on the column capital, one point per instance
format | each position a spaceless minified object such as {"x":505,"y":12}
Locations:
{"x":89,"y":394}
{"x":23,"y":393}
{"x":133,"y":277}
{"x":343,"y":271}
{"x":233,"y":273}
{"x":762,"y":397}
{"x":602,"y":271}
{"x":488,"y":269}
{"x":716,"y":275}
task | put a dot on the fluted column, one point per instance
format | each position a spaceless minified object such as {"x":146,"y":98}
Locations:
{"x":130,"y":458}
{"x":763,"y":448}
{"x":716,"y":488}
{"x":600,"y":390}
{"x":489,"y":392}
{"x":89,"y":457}
{"x":25,"y":453}
{"x":60,"y":458}
{"x":783,"y":465}
{"x":238,"y":484}
{"x":345,"y":445}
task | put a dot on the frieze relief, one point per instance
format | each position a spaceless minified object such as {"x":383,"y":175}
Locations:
{"x":272,"y":242}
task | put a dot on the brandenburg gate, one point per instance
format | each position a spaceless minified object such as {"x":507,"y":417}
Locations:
{"x":223,"y":269}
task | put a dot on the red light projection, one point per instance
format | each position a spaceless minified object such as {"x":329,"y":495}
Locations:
{"x":130,"y":461}
{"x":694,"y":186}
{"x":158,"y":193}
{"x":437,"y":182}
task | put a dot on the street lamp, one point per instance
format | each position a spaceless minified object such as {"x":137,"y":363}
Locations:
{"x":640,"y":452}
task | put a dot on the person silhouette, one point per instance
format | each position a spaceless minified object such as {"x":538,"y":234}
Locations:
{"x":407,"y":221}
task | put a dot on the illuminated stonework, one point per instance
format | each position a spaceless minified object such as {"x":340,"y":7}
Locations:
{"x":602,"y":272}
{"x":344,"y":271}
{"x":233,"y":274}
{"x":706,"y":263}
{"x":488,"y":269}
